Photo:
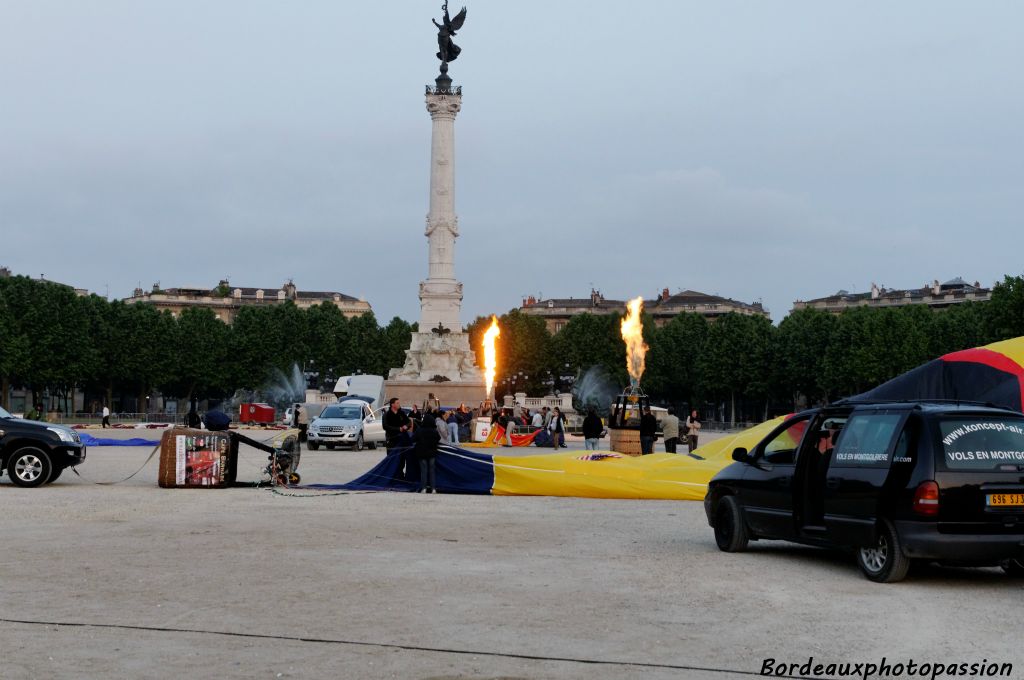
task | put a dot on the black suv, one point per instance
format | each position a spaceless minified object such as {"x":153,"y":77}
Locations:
{"x":895,"y":481}
{"x":34,"y":453}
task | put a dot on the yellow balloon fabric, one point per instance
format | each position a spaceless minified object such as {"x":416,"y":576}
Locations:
{"x":663,"y":476}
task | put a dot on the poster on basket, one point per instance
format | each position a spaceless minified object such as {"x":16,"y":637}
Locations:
{"x":201,"y":460}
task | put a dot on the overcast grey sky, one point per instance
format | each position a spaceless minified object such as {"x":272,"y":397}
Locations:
{"x":759,"y":150}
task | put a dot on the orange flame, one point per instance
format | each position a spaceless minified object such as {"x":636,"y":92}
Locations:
{"x":490,"y":356}
{"x":633,"y":334}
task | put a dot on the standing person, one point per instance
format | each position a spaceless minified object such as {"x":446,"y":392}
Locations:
{"x":508,"y":423}
{"x":545,"y":415}
{"x":432,"y":403}
{"x":106,"y":417}
{"x":648,"y":431}
{"x":396,"y":434}
{"x":692,"y":430}
{"x":451,"y":419}
{"x":538,"y":420}
{"x":592,"y":427}
{"x":557,"y":429}
{"x":427,"y":438}
{"x":303,"y":420}
{"x":465,"y":422}
{"x":415,"y":415}
{"x":192,"y":418}
{"x":670,"y":428}
{"x":441,"y":422}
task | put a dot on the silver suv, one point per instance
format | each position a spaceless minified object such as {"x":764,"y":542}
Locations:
{"x":349,"y":423}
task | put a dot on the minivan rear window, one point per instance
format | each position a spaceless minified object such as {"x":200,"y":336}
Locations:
{"x":982,"y":443}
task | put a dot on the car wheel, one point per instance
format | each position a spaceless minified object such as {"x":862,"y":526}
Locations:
{"x":29,"y":467}
{"x":330,"y":446}
{"x":1014,"y":568}
{"x":358,"y":446}
{"x":884,"y":562}
{"x":313,"y":446}
{"x":371,"y":445}
{"x":730,"y":529}
{"x":55,"y":474}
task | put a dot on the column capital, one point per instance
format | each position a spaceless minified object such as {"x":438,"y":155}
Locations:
{"x":443,"y":104}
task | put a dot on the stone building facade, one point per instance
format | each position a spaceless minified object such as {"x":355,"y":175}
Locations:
{"x":556,"y":312}
{"x":936,"y":295}
{"x":225,"y":300}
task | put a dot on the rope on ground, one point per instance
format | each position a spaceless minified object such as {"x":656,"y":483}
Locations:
{"x":149,"y":458}
{"x":409,"y":648}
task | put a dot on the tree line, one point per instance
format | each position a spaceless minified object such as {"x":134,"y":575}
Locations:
{"x":743,"y":368}
{"x":53,"y":341}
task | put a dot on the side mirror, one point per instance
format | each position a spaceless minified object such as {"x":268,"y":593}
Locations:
{"x":739,"y":454}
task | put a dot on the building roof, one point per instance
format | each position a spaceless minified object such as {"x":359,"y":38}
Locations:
{"x":956,"y":286}
{"x":694,"y":297}
{"x":669,"y":303}
{"x":250,"y":292}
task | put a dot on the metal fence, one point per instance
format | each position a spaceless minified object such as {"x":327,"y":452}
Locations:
{"x":117,"y":418}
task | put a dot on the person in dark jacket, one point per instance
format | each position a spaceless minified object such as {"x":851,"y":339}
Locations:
{"x":648,"y":431}
{"x":427,"y":438}
{"x":592,"y":428}
{"x":396,"y":434}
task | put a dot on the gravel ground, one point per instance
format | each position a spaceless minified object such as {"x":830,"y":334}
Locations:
{"x":244,"y":583}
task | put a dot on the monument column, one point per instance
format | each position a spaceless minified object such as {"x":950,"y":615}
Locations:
{"x":441,"y":294}
{"x":439,"y":359}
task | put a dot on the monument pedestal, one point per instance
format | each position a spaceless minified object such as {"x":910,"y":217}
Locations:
{"x":450,"y":393}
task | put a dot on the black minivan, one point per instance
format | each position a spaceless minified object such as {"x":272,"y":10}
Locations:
{"x":929,"y":481}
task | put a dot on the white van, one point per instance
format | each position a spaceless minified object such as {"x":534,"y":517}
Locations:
{"x":369,"y":388}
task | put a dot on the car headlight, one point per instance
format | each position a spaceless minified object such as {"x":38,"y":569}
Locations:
{"x":64,"y":435}
{"x":314,"y":429}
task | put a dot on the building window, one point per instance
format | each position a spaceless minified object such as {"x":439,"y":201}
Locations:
{"x":559,"y":325}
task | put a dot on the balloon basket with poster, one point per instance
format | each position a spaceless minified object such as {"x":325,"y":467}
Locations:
{"x":200,"y":459}
{"x":196,"y":459}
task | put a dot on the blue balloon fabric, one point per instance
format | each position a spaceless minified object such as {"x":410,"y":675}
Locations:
{"x":89,"y":440}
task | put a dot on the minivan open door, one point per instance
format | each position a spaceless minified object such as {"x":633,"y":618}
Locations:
{"x":856,"y":473}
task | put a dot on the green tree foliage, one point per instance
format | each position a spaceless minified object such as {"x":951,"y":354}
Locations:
{"x":395,"y":339}
{"x":591,"y":340}
{"x":327,"y":337}
{"x":803,"y":341}
{"x":1006,"y":309}
{"x":523,"y":346}
{"x":53,"y":341}
{"x":673,"y":370}
{"x":201,"y":354}
{"x":960,"y":327}
{"x":737,"y":360}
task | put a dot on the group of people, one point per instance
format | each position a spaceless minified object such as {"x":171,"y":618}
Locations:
{"x":456,"y":422}
{"x":418,"y":434}
{"x":551,"y":421}
{"x":670,"y":430}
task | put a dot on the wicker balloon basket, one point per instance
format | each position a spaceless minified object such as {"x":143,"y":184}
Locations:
{"x":625,"y":441}
{"x":196,"y":459}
